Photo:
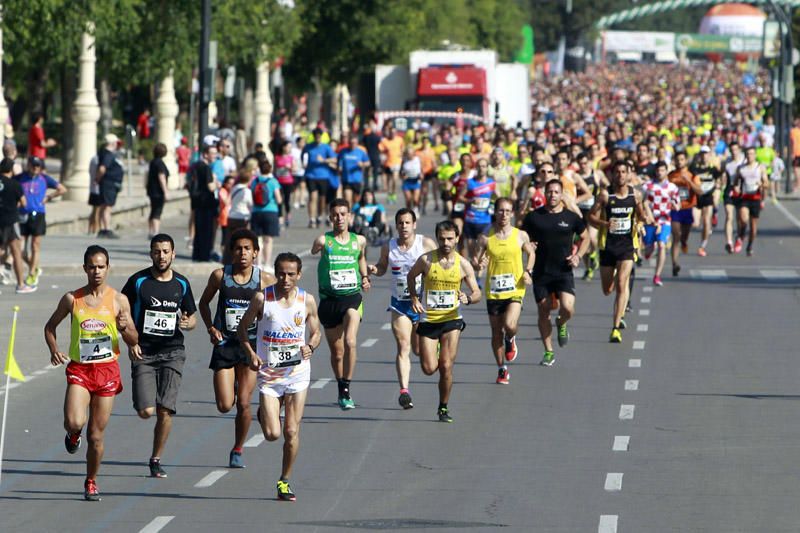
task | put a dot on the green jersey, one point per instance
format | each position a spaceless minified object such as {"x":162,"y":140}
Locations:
{"x":337,"y":270}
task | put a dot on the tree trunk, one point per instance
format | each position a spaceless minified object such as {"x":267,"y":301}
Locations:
{"x":106,"y":111}
{"x":68,"y":95}
{"x":36,"y":89}
{"x":314,"y":103}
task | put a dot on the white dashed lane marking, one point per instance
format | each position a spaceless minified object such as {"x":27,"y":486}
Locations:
{"x":387,"y":326}
{"x":646,"y":299}
{"x":254,"y":441}
{"x":369,"y":342}
{"x":613,"y":482}
{"x":211,"y":478}
{"x":642,"y":327}
{"x":634,"y":363}
{"x":638,"y":345}
{"x":647,"y":289}
{"x":621,"y":443}
{"x":608,"y":523}
{"x":626,"y":411}
{"x":321,"y":382}
{"x":644,"y":312}
{"x":631,"y":384}
{"x":156,"y":524}
{"x":709,"y":274}
{"x":779,"y":274}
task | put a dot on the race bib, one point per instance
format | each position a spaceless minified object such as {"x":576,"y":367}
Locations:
{"x":342,"y":280}
{"x":502,"y":283}
{"x":458,"y":207}
{"x":707,"y":186}
{"x":160,"y":323}
{"x":683,"y":192}
{"x":440,"y":299}
{"x":620,"y":225}
{"x":283,"y":355}
{"x":96,"y":348}
{"x":233,"y":315}
{"x":402,"y":287}
{"x":481,"y":204}
{"x":750,"y":187}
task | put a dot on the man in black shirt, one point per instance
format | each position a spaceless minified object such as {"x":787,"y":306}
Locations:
{"x":372,"y":139}
{"x":12,"y":198}
{"x":162,"y":305}
{"x":109,"y":176}
{"x":203,"y":191}
{"x":710,"y":179}
{"x":553,"y":228}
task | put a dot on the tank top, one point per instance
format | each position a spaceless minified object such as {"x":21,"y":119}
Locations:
{"x":504,"y":274}
{"x":337,"y":270}
{"x":94,"y":337}
{"x":591,"y":182}
{"x":751,"y":182}
{"x":233,"y":301}
{"x":568,"y":184}
{"x":281,"y":334}
{"x":502,"y":176}
{"x":400,"y":262}
{"x":441,"y":291}
{"x":619,"y":235}
{"x":481,"y":193}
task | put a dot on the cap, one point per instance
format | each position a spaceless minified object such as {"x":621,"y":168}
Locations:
{"x":705,"y":149}
{"x":35,"y":161}
{"x":210,"y":140}
{"x":317,"y":131}
{"x":110,"y":138}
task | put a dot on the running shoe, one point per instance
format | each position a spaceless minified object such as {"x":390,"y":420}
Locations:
{"x":405,"y":401}
{"x":30,"y":279}
{"x":588,"y":274}
{"x":616,"y":335}
{"x":638,"y":260}
{"x":502,"y":376}
{"x":622,"y":323}
{"x":72,"y":442}
{"x":563,"y":334}
{"x":548,"y":359}
{"x":657,"y":281}
{"x":90,"y":492}
{"x":285,"y":493}
{"x":676,"y":269}
{"x":594,"y":259}
{"x":685,"y":247}
{"x":235,"y":460}
{"x":511,"y":348}
{"x":737,"y":246}
{"x":345,"y":403}
{"x":749,"y":252}
{"x":444,"y":415}
{"x":714,"y":218}
{"x":702,"y":252}
{"x":729,"y":248}
{"x":156,"y":470}
{"x":26,"y":289}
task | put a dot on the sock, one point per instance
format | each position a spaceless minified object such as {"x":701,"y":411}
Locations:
{"x":155,"y":459}
{"x":442,"y":405}
{"x":402,"y":391}
{"x":237,"y":450}
{"x":504,"y":367}
{"x":704,"y":243}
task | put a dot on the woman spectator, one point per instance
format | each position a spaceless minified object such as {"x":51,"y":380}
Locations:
{"x":265,"y":222}
{"x":156,"y":185}
{"x":241,"y":202}
{"x":283,"y":173}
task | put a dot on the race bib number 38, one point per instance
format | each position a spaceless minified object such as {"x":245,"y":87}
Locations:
{"x":160,"y":323}
{"x":282,"y":355}
{"x":441,"y":299}
{"x":342,"y":280}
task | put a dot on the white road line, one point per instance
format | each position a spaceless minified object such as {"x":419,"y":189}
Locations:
{"x":626,"y":411}
{"x":634,"y":363}
{"x":613,"y":482}
{"x":608,"y":523}
{"x":210,"y":479}
{"x":709,"y":274}
{"x":48,"y":367}
{"x":638,"y":345}
{"x":621,"y":443}
{"x":387,"y":326}
{"x":631,"y":384}
{"x":779,"y":274}
{"x":254,"y":441}
{"x":39,"y":372}
{"x":644,"y":312}
{"x":645,"y":299}
{"x":321,"y":382}
{"x":647,"y":288}
{"x":641,"y":327}
{"x":158,"y":523}
{"x":793,"y":219}
{"x":369,"y":342}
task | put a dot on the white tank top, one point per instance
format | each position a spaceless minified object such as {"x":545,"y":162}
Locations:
{"x":751,"y":178}
{"x":400,"y":262}
{"x":281,"y":332}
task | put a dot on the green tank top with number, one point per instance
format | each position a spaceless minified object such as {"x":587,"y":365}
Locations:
{"x":337,"y":270}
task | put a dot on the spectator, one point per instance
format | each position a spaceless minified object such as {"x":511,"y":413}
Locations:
{"x":299,"y":171}
{"x":283,"y":172}
{"x":372,"y":141}
{"x":95,"y":200}
{"x":156,"y":185}
{"x":37,"y":143}
{"x":266,"y":204}
{"x":143,"y":124}
{"x":224,"y":209}
{"x":352,"y":161}
{"x":240,"y":141}
{"x":202,"y":189}
{"x":241,"y":204}
{"x":10,"y":152}
{"x":109,"y":177}
{"x":12,"y":198}
{"x":321,"y":159}
{"x":183,"y":154}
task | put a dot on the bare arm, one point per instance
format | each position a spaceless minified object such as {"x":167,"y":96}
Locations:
{"x":362,"y":263}
{"x":379,"y":268}
{"x":583,"y":190}
{"x":480,"y":251}
{"x":254,"y":310}
{"x":162,"y":181}
{"x":594,"y":214}
{"x":421,"y":267}
{"x":641,"y":211}
{"x":575,"y":259}
{"x":312,"y":325}
{"x":214,"y":281}
{"x":318,"y":245}
{"x":530,"y":256}
{"x":62,"y":311}
{"x":468,"y":277}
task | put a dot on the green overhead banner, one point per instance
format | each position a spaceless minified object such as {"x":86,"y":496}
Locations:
{"x":698,"y":43}
{"x":526,"y":51}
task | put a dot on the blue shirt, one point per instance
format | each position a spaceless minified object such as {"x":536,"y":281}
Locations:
{"x":349,"y":160}
{"x":368,"y":211}
{"x":272,"y":186}
{"x":319,"y":170}
{"x":35,"y":189}
{"x":218,"y":169}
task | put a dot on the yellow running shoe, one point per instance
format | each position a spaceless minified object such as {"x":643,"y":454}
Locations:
{"x":616,"y":335}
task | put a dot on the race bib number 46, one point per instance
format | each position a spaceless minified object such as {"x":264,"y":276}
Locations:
{"x":282,"y":355}
{"x":96,"y":348}
{"x":160,"y":323}
{"x":342,"y":280}
{"x":441,"y":299}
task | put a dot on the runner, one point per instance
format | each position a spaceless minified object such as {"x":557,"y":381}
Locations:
{"x":399,"y":255}
{"x":616,"y":213}
{"x":751,"y":186}
{"x":595,"y":180}
{"x":163,"y":305}
{"x":506,"y":279}
{"x":709,"y":177}
{"x":392,"y":146}
{"x":458,"y":189}
{"x":731,"y":202}
{"x":683,"y":218}
{"x":443,"y":271}
{"x":234,"y":380}
{"x":479,"y":195}
{"x":661,"y":197}
{"x":100,"y":316}
{"x":341,"y":274}
{"x":287,"y":316}
{"x":553,"y":228}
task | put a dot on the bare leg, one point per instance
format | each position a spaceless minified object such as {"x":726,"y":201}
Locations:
{"x":99,"y":414}
{"x":294,"y":404}
{"x":161,"y":433}
{"x":403,"y":330}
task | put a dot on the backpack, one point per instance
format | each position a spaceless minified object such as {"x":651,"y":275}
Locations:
{"x":261,"y":193}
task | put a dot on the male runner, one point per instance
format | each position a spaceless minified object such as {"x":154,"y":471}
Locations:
{"x":234,"y":380}
{"x":731,"y":202}
{"x":443,"y":271}
{"x":505,"y":282}
{"x":341,"y":274}
{"x":683,"y":219}
{"x":399,"y":255}
{"x":287,"y":316}
{"x":750,"y":187}
{"x":709,"y":177}
{"x":613,"y":214}
{"x":100,"y":316}
{"x":661,"y":198}
{"x":553,"y":228}
{"x":163,"y":305}
{"x":594,"y":180}
{"x":479,"y":194}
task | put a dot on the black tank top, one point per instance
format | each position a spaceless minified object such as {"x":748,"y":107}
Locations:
{"x":233,"y":301}
{"x":619,"y":213}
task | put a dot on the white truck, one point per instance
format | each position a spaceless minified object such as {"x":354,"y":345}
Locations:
{"x":438,"y":83}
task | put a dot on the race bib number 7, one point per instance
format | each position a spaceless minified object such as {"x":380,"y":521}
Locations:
{"x":160,"y":323}
{"x":342,"y":280}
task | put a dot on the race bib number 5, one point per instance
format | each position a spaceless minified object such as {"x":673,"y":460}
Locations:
{"x":342,"y":280}
{"x":160,"y":323}
{"x":282,"y":355}
{"x":441,"y":299}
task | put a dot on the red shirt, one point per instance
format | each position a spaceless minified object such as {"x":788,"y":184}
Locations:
{"x":184,"y":154}
{"x":36,"y":142}
{"x":143,"y":125}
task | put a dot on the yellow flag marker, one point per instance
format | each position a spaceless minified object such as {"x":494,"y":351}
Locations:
{"x":12,"y":368}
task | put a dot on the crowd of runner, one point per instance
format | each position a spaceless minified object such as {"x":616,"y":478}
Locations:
{"x":620,"y":164}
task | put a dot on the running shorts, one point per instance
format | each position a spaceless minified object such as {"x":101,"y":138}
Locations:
{"x":473,"y":231}
{"x":435,"y":330}
{"x":100,"y":379}
{"x":753,"y":206}
{"x":544,"y":287}
{"x":35,"y":225}
{"x":403,"y":307}
{"x":332,"y":310}
{"x":412,"y":185}
{"x":318,"y":185}
{"x":705,"y":200}
{"x":499,"y":307}
{"x":610,"y":257}
{"x":8,"y":234}
{"x":278,"y":383}
{"x":683,"y":216}
{"x":157,"y":379}
{"x":228,"y":355}
{"x":653,"y":234}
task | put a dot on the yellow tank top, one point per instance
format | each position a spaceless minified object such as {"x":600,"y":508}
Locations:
{"x":94,"y":336}
{"x":569,"y":187}
{"x":504,"y":274}
{"x":441,"y":291}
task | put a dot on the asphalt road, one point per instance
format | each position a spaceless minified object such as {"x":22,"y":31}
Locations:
{"x":688,"y":425}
